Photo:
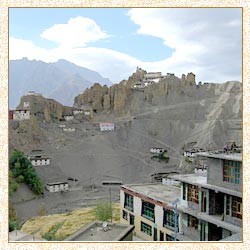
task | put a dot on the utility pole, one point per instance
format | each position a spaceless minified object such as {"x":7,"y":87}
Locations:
{"x":110,"y":184}
{"x":110,"y":203}
{"x":175,"y":218}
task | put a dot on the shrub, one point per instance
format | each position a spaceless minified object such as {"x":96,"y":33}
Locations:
{"x":103,"y":211}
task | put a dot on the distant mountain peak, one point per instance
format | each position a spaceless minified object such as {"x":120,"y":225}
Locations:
{"x":61,"y":80}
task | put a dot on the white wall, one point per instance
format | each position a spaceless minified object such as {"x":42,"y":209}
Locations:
{"x":158,"y":215}
{"x":137,"y":206}
{"x":21,"y":115}
{"x":40,"y":162}
{"x":122,"y":197}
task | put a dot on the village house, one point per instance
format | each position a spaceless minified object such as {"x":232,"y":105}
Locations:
{"x":151,"y":78}
{"x":57,"y":186}
{"x":21,"y":114}
{"x":87,"y":112}
{"x":77,"y":111}
{"x":69,"y":129}
{"x":157,"y":150}
{"x":37,"y":158}
{"x":107,"y":126}
{"x":209,"y":204}
{"x":139,"y":85}
{"x":68,"y":117}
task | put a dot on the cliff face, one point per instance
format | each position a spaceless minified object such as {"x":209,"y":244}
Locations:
{"x":104,"y":99}
{"x":42,"y":107}
{"x":115,"y":99}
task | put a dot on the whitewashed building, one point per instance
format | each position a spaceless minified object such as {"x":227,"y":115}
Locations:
{"x":20,"y":115}
{"x":69,"y":129}
{"x":39,"y":160}
{"x":87,"y":112}
{"x":26,"y":104}
{"x":152,"y":77}
{"x":68,"y":117}
{"x":77,"y":111}
{"x":107,"y":126}
{"x":157,"y":150}
{"x":57,"y":186}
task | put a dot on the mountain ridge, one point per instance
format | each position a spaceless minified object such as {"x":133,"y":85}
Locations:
{"x":53,"y":80}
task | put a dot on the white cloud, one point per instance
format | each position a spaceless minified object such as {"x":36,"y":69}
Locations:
{"x":77,"y":32}
{"x":205,"y":41}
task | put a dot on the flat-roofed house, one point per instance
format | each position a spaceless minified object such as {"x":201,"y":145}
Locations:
{"x":212,"y":202}
{"x":77,"y":111}
{"x":68,"y":117}
{"x":21,"y":114}
{"x":157,"y":150}
{"x":37,"y":158}
{"x":107,"y":126}
{"x":208,"y":204}
{"x":57,"y":186}
{"x":149,"y":208}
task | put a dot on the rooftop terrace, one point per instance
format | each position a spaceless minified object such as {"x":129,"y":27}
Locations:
{"x":96,"y":232}
{"x":159,"y":192}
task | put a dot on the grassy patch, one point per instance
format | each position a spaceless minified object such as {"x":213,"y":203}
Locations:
{"x":59,"y":226}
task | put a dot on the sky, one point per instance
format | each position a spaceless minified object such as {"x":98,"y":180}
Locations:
{"x":114,"y":41}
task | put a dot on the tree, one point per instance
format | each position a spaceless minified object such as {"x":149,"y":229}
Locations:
{"x":103,"y":211}
{"x":23,"y":170}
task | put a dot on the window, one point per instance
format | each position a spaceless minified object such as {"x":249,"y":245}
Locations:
{"x":170,"y":238}
{"x":192,"y":222}
{"x":236,"y":207}
{"x":231,"y":171}
{"x":145,"y":228}
{"x":193,"y":193}
{"x":184,"y":191}
{"x":169,"y":219}
{"x":124,"y":215}
{"x":129,"y":202}
{"x":148,"y":210}
{"x":228,"y":204}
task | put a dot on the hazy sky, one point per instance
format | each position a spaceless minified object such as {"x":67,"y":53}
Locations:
{"x":113,"y":41}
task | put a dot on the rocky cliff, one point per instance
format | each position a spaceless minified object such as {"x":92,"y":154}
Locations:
{"x":39,"y":106}
{"x":116,"y":98}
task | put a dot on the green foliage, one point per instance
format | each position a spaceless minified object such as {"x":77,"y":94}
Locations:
{"x":13,"y":186}
{"x":13,"y":220}
{"x":22,"y":169}
{"x":161,"y":157}
{"x":51,"y":234}
{"x":103,"y":211}
{"x":20,"y":179}
{"x":12,"y":225}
